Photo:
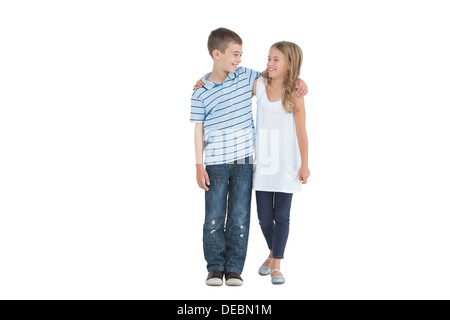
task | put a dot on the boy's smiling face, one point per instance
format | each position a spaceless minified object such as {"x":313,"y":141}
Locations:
{"x":230,"y":59}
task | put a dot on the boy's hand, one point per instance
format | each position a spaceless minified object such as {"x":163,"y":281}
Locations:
{"x":303,"y":174}
{"x":301,"y":88}
{"x":199,"y":84}
{"x":202,"y":177}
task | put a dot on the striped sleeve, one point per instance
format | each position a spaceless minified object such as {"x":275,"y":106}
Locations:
{"x":251,"y":75}
{"x":198,"y":113}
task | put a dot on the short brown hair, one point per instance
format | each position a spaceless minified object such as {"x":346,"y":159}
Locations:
{"x":220,"y":38}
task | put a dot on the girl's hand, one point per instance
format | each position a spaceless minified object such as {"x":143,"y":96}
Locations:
{"x":303,"y":174}
{"x":199,"y":84}
{"x":301,"y":88}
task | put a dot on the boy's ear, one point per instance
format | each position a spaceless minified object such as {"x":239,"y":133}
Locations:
{"x":216,"y":53}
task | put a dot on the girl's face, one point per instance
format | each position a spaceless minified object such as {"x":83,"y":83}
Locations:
{"x":277,"y":64}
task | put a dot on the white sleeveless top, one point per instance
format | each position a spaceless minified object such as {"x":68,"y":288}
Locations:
{"x":277,"y":157}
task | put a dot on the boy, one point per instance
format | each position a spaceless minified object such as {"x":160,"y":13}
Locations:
{"x":222,"y":111}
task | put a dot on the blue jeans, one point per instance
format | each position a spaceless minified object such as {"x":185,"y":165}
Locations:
{"x":273,"y":213}
{"x":227,"y":215}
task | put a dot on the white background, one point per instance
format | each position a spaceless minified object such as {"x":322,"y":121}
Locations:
{"x":98,"y":198}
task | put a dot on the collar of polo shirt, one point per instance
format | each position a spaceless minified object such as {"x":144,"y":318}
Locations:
{"x":210,"y":84}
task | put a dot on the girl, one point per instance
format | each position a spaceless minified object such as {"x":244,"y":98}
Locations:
{"x":281,"y":159}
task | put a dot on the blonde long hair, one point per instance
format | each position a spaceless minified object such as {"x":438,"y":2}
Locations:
{"x":294,"y":56}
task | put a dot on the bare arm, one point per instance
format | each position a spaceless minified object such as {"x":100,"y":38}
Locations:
{"x":302,"y":137}
{"x":202,"y":175}
{"x":254,"y":87}
{"x":198,"y":143}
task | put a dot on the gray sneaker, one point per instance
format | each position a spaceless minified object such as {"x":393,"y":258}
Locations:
{"x":215,"y":278}
{"x":233,"y":279}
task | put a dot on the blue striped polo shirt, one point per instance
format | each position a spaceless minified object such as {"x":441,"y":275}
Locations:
{"x":226,"y":111}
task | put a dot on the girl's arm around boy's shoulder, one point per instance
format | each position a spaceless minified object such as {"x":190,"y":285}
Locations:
{"x":255,"y":83}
